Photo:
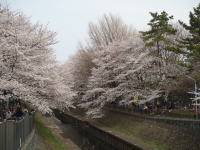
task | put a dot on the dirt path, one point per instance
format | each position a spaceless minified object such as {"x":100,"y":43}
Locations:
{"x":38,"y":143}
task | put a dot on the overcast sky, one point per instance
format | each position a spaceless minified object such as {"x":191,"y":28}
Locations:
{"x":70,"y":18}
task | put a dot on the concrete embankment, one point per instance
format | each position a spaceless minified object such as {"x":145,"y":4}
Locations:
{"x":122,"y":131}
{"x":95,"y":137}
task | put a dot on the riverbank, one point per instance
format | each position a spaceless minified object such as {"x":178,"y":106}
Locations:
{"x":148,"y":134}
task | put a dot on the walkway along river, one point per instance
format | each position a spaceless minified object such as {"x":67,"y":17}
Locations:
{"x":89,"y":137}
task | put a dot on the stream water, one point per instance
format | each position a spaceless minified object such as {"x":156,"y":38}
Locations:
{"x":81,"y":140}
{"x":70,"y":132}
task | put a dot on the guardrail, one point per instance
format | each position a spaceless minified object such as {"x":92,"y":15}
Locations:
{"x":102,"y":139}
{"x":13,"y":133}
{"x":180,"y":122}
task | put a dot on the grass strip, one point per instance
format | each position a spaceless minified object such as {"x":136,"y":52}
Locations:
{"x":51,"y":140}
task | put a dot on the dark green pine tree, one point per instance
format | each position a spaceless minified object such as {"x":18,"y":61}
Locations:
{"x":160,"y":30}
{"x":192,"y":42}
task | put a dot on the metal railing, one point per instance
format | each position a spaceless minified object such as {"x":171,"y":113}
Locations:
{"x":179,"y":122}
{"x":13,"y":133}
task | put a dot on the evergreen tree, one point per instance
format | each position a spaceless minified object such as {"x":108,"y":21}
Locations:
{"x":159,"y":33}
{"x":192,"y":42}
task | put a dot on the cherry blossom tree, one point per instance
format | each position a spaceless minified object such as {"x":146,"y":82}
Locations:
{"x":27,"y":61}
{"x":124,"y":70}
{"x":107,"y":30}
{"x":76,"y":72}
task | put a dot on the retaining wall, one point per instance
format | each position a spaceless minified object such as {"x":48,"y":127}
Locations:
{"x":102,"y":139}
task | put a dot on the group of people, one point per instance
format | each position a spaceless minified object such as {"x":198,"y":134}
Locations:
{"x":13,"y":113}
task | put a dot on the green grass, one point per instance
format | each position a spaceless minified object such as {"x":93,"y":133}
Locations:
{"x":51,"y":140}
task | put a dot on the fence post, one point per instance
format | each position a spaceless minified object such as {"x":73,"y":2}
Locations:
{"x":26,"y":125}
{"x":10,"y":134}
{"x":2,"y":135}
{"x":18,"y":133}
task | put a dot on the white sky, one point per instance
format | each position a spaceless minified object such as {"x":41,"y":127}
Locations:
{"x":70,"y":18}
